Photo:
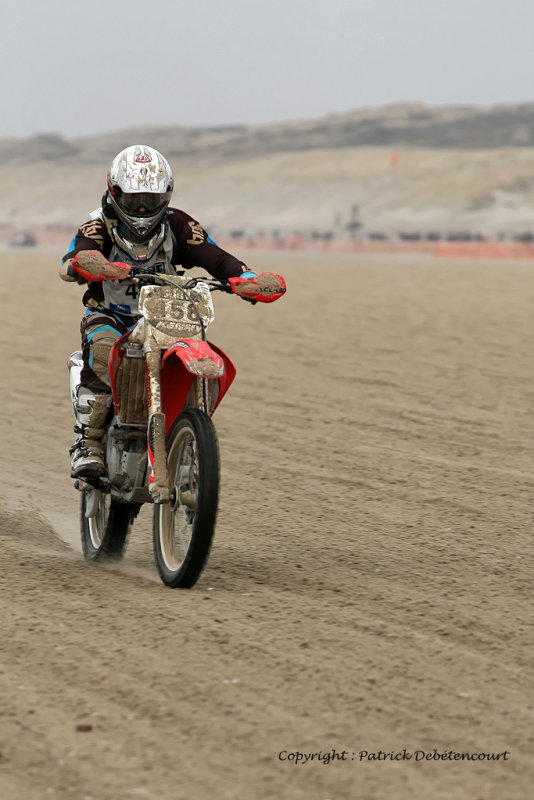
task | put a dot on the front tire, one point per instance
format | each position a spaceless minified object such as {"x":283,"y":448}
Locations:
{"x":105,"y":532}
{"x":184,"y":527}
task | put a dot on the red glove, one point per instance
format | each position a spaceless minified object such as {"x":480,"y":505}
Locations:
{"x":264,"y":288}
{"x":93,"y":266}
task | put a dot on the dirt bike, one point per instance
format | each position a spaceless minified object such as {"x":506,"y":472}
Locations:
{"x":160,"y":445}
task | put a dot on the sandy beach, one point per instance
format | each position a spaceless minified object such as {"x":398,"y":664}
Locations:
{"x":370,"y":584}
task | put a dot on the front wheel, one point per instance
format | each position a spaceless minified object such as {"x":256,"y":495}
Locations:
{"x":184,"y":527}
{"x":104,"y":525}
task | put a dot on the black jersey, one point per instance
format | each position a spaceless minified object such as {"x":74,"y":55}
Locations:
{"x":191,"y":247}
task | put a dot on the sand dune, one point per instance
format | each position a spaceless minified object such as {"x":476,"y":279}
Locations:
{"x":489,"y":191}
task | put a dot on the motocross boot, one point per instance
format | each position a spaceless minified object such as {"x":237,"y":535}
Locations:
{"x":91,"y":411}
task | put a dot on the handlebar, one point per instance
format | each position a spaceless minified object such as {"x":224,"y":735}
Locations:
{"x":214,"y":284}
{"x":161,"y":279}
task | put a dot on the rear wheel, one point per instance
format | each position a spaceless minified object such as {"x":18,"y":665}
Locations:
{"x":104,"y":525}
{"x":184,"y":527}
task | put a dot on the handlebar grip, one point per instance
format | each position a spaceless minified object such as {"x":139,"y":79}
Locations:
{"x":94,"y":266}
{"x":264,"y":288}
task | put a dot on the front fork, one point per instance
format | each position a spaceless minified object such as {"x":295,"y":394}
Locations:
{"x":158,"y":483}
{"x":158,"y":480}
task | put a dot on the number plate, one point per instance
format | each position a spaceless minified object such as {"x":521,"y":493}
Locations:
{"x":177,"y":312}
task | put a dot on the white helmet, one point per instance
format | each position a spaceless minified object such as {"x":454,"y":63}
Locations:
{"x":140,"y":185}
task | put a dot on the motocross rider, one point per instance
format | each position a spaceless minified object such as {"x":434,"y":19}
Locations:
{"x":136,"y":226}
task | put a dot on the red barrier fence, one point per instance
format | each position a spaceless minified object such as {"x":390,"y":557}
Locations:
{"x":486,"y":250}
{"x":467,"y":250}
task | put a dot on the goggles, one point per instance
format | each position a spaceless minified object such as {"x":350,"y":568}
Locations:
{"x":141,"y":204}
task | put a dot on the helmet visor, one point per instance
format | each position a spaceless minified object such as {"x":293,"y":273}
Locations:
{"x":142,"y":204}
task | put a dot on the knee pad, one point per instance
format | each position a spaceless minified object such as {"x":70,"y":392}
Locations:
{"x":99,"y":349}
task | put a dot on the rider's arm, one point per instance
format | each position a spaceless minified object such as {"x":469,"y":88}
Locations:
{"x":92,"y":235}
{"x":195,"y":248}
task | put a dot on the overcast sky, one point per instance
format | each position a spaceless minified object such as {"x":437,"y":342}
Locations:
{"x":76,"y":68}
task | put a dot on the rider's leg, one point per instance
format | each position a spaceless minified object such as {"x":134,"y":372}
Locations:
{"x":93,"y":401}
{"x":91,"y":414}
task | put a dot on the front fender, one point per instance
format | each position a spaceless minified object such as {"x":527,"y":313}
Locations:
{"x":197,"y":357}
{"x":182,"y":362}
